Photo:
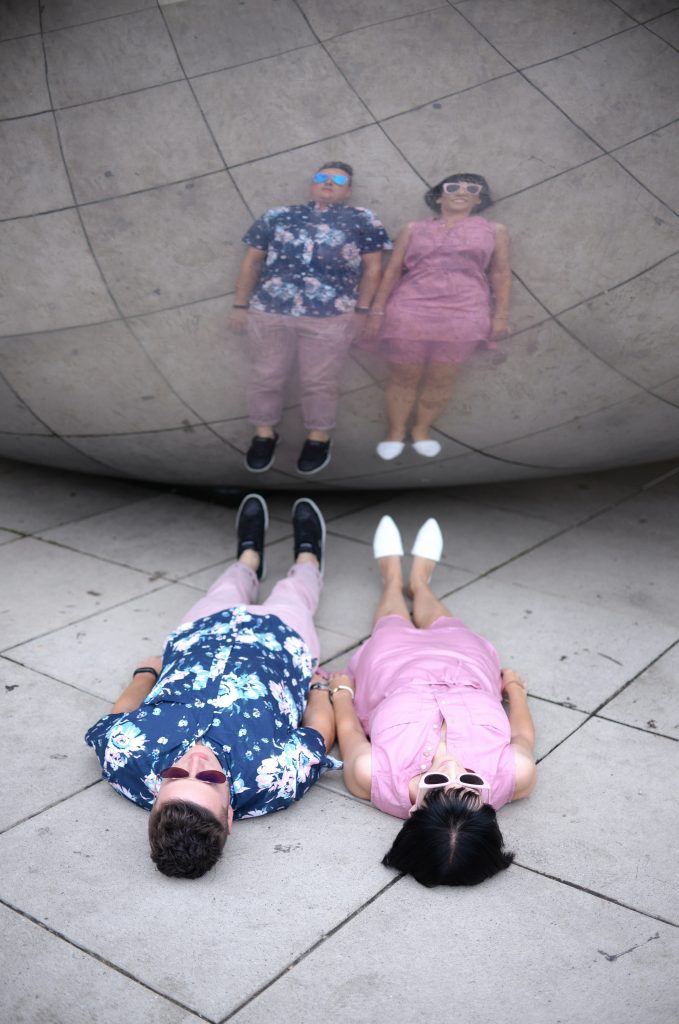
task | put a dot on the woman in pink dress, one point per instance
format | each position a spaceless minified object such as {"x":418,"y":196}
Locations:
{"x":444,"y":292}
{"x":422,"y":729}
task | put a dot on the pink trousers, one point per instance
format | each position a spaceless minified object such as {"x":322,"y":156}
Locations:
{"x":321,"y":345}
{"x":294,"y":599}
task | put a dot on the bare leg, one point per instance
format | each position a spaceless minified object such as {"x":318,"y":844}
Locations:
{"x":426,"y":606}
{"x":401,"y":395}
{"x":434,"y":398}
{"x":392,"y":601}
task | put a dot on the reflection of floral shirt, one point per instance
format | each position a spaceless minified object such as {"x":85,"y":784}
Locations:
{"x":238,"y":682}
{"x":313,"y":258}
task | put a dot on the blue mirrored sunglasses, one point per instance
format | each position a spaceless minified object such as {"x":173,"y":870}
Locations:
{"x":339,"y":179}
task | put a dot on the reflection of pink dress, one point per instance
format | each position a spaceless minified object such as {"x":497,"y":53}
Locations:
{"x":443,"y":295}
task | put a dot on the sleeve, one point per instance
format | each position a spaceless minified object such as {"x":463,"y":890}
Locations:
{"x":260,"y":235}
{"x":121,"y":746}
{"x":286,"y":776}
{"x":372,"y":235}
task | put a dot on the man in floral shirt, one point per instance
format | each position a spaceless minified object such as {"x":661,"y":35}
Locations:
{"x":309,"y":274}
{"x":225,"y":725}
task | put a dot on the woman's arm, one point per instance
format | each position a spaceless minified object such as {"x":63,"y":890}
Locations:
{"x":523,"y":732}
{"x":248,"y":275}
{"x":390,"y":278}
{"x":135,"y":693}
{"x":500,"y":277}
{"x":353,"y":742}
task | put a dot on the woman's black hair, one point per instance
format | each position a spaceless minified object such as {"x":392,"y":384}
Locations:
{"x":450,"y":840}
{"x":435,"y":191}
{"x":347,"y":168}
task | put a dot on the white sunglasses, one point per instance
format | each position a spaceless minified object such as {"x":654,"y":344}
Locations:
{"x":466,"y":780}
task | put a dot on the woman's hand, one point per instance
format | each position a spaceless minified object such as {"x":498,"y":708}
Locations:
{"x":341,"y":679}
{"x":499,"y":329}
{"x":238,"y":320}
{"x":510,"y":677}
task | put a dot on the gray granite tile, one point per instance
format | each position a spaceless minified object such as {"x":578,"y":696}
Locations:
{"x":264,"y":859}
{"x":370,"y":979}
{"x":164,"y":536}
{"x":330,"y":17}
{"x":215,"y":34}
{"x":56,"y":762}
{"x":43,"y":972}
{"x":383,"y":182}
{"x":91,"y":380}
{"x":568,"y":651}
{"x":651,"y":701}
{"x":98,"y":654}
{"x":636,"y":430}
{"x":667,"y":28}
{"x":274,"y":105}
{"x":553,"y":724}
{"x":61,"y":13}
{"x":644,"y":9}
{"x":634,"y":76}
{"x":210,"y":374}
{"x":402,"y":63}
{"x":547,"y":378}
{"x":651,"y":161}
{"x":15,"y":416}
{"x":32,"y":175}
{"x":605,"y":565}
{"x":619,"y":231}
{"x":411,"y":472}
{"x":529,"y":31}
{"x":48,"y":451}
{"x":582,"y":832}
{"x":17,"y":18}
{"x":39,"y":498}
{"x":669,"y":391}
{"x":632,"y":327}
{"x":136,"y":142}
{"x":103,"y":58}
{"x":44,"y":587}
{"x":541,"y":143}
{"x":52,"y":250}
{"x":175,"y":244}
{"x":23,"y":87}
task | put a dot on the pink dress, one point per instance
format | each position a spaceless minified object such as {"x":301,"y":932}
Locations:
{"x":443,"y":295}
{"x":408,"y":682}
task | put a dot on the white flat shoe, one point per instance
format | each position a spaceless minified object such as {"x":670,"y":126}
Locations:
{"x":427,"y":448}
{"x":389,"y":450}
{"x":387,"y":539}
{"x":429,"y":541}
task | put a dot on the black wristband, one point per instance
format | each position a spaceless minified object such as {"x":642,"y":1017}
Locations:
{"x":363,"y":310}
{"x":146,"y":668}
{"x":238,"y":305}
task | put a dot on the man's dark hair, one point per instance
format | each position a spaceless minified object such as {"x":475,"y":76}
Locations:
{"x":186,"y":840}
{"x":435,"y":191}
{"x":450,"y":840}
{"x":347,"y":168}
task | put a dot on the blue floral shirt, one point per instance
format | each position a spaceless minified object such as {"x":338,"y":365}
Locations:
{"x":313,"y":257}
{"x":238,"y":682}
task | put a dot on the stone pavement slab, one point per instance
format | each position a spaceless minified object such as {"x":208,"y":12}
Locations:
{"x":652,"y":700}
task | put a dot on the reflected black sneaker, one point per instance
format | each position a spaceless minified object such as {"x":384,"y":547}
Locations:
{"x":309,"y":528}
{"x":260,"y":454}
{"x":314,"y":457}
{"x":252,"y":519}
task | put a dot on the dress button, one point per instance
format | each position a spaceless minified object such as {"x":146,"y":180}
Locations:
{"x":423,"y":766}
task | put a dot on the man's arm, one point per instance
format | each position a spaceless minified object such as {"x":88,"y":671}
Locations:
{"x":353,"y":743}
{"x":135,"y":693}
{"x":248,"y":275}
{"x":523,"y":732}
{"x":319,"y":715}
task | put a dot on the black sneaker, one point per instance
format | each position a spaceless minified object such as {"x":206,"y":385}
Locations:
{"x":314,"y":457}
{"x":260,"y":454}
{"x":309,"y":526}
{"x":252,"y":519}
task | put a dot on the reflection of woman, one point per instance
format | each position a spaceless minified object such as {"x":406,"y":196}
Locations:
{"x":303,"y":290}
{"x":439,"y":283}
{"x":441,"y":751}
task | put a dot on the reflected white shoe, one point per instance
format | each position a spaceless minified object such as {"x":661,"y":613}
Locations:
{"x":389,"y":450}
{"x":387,"y":539}
{"x":427,"y":448}
{"x":429,"y":541}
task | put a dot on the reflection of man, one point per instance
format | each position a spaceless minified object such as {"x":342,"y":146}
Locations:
{"x":212,"y":730}
{"x":307,"y":278}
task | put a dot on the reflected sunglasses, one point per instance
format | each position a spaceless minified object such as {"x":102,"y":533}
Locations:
{"x":339,"y":179}
{"x":211,"y":775}
{"x":436,"y":780}
{"x":462,"y":186}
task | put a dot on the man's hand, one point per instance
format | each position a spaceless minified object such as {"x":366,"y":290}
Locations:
{"x":238,"y":320}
